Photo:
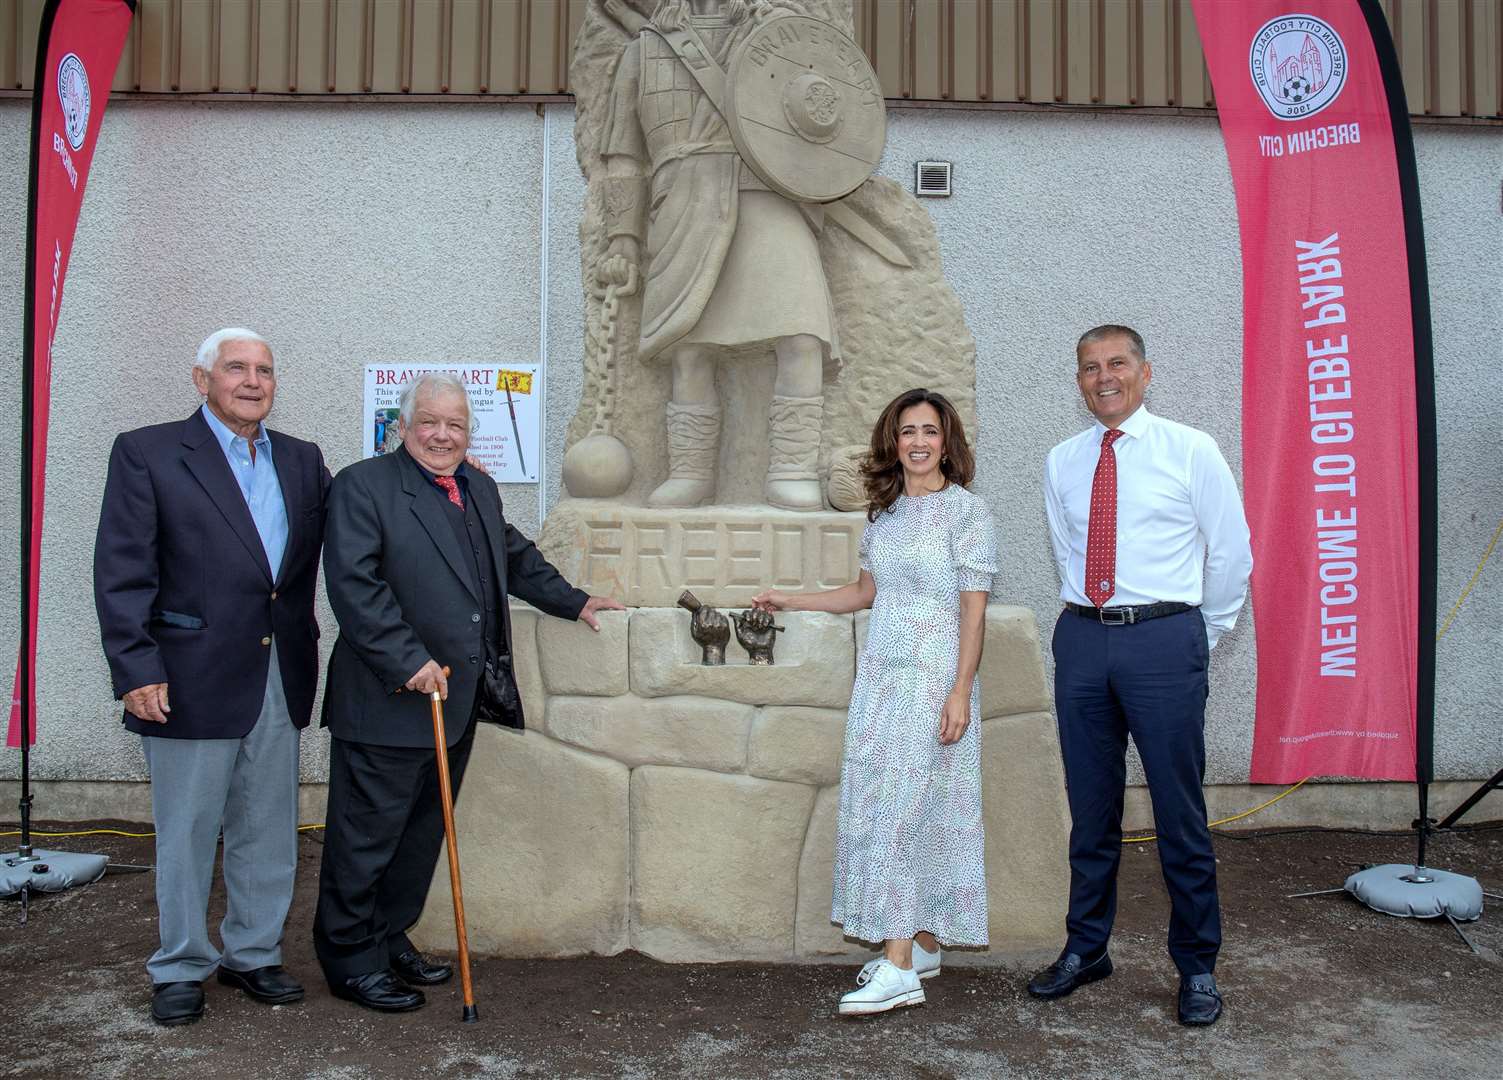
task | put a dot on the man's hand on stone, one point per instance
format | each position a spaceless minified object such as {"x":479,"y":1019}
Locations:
{"x":430,"y":677}
{"x":598,"y":603}
{"x":148,"y":703}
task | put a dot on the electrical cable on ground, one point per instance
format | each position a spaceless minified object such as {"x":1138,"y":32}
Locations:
{"x":118,"y":832}
{"x":1477,"y":573}
{"x":1228,"y":820}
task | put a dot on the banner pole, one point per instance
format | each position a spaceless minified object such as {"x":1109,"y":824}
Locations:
{"x":1424,"y":401}
{"x":28,"y":429}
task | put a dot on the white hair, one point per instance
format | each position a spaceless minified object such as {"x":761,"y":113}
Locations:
{"x":208,"y":352}
{"x":433,"y":382}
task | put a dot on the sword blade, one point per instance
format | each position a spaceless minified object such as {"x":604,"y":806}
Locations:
{"x":515,"y":434}
{"x":866,"y":232}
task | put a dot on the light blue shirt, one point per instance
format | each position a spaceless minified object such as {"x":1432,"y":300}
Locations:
{"x":258,"y":483}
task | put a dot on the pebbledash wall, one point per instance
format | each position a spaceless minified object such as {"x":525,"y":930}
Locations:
{"x":446,"y":233}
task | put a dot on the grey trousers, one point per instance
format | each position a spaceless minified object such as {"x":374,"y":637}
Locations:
{"x":248,"y":788}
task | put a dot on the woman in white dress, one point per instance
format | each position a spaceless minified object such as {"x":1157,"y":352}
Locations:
{"x":908,"y":862}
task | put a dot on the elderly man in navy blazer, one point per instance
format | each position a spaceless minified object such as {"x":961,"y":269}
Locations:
{"x":204,"y":573}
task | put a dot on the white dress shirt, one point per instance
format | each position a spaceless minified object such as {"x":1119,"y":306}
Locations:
{"x":1181,"y":533}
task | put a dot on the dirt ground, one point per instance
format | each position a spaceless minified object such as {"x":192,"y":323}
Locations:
{"x":1318,"y":987}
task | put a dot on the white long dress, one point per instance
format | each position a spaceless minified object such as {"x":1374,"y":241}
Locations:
{"x":908,"y":853}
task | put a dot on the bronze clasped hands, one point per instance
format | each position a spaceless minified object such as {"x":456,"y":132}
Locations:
{"x":757,"y":633}
{"x":711,"y":630}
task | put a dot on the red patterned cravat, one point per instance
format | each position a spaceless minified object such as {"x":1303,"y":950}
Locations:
{"x":1101,"y":532}
{"x":451,"y":486}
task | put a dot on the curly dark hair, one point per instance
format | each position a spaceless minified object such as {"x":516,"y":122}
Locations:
{"x":881,"y":470}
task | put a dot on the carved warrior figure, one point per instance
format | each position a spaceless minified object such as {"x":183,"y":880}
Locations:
{"x":727,"y":261}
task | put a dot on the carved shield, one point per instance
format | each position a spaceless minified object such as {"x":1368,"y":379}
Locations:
{"x":805,"y":109}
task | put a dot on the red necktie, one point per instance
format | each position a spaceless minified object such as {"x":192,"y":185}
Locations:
{"x":451,"y":485}
{"x":1101,"y":532}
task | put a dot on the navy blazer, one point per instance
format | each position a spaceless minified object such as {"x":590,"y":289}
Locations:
{"x":400,"y":587}
{"x":184,"y":592}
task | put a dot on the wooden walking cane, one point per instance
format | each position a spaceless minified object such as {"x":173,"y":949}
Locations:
{"x":446,"y":794}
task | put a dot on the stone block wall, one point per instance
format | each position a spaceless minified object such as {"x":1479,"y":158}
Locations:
{"x":689,"y":812}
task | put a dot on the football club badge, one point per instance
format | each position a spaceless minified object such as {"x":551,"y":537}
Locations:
{"x":73,"y":94}
{"x":1298,"y":63}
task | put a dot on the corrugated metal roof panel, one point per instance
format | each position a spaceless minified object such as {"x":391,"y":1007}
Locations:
{"x":1102,"y":53}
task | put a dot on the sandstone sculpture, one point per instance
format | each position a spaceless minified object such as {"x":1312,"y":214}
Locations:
{"x":662,"y":799}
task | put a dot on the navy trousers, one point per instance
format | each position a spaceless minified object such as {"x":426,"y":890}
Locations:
{"x":1148,"y":681}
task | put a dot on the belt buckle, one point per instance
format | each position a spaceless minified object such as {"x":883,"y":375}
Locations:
{"x":1119,"y":616}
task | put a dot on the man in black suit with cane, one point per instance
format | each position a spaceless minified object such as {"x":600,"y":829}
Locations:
{"x":418,"y":561}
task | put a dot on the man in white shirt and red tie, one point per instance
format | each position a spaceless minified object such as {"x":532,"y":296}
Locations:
{"x":1153,"y":555}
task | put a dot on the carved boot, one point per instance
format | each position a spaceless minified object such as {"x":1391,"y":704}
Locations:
{"x":793,"y":430}
{"x":693,"y":450}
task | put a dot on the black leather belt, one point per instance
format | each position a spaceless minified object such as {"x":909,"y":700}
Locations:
{"x":1127,"y":616}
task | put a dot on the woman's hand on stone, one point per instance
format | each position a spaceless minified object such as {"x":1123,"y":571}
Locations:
{"x":770,"y":600}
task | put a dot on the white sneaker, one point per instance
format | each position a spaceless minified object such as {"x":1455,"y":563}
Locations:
{"x":880,"y":986}
{"x":926,"y":963}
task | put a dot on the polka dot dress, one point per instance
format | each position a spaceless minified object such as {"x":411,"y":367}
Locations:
{"x":908,"y":853}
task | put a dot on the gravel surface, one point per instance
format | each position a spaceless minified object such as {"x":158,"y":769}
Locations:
{"x":1318,"y":987}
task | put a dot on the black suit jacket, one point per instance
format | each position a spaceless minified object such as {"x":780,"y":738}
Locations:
{"x":182,"y":586}
{"x":403,"y":594}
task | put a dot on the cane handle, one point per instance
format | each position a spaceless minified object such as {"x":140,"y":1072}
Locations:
{"x":433,"y":694}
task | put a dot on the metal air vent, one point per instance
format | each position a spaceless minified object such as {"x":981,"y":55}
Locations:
{"x":931,"y":178}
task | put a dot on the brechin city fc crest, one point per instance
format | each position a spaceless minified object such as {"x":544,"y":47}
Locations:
{"x":1298,"y":64}
{"x":73,"y":95}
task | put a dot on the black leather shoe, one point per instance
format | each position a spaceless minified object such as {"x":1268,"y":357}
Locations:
{"x":1068,"y":973}
{"x":380,"y":990}
{"x":174,"y":1003}
{"x":415,"y":968}
{"x":268,"y":985}
{"x":1199,"y":1000}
